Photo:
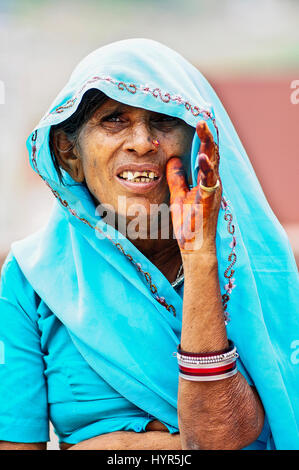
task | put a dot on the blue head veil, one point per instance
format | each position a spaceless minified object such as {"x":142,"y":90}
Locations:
{"x":121,"y":312}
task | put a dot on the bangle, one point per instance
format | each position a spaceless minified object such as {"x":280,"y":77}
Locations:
{"x":206,"y":358}
{"x":208,"y":366}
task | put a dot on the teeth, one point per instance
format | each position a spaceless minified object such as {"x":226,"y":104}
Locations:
{"x":145,"y":176}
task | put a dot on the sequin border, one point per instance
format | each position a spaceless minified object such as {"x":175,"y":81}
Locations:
{"x":133,"y":88}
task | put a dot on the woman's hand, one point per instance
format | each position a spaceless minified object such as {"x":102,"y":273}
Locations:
{"x":195,"y":211}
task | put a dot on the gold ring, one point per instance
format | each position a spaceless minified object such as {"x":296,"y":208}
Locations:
{"x":210,"y":189}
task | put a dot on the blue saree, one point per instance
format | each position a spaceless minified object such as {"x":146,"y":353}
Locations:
{"x":116,"y":305}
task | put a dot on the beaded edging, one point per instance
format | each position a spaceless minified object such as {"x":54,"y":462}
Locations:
{"x":132,"y":88}
{"x":232,"y":258}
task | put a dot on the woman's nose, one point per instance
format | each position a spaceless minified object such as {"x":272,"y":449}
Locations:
{"x":140,"y":140}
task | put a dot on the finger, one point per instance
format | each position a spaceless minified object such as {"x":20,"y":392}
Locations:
{"x":207,"y":144}
{"x":176,"y":177}
{"x":206,"y":174}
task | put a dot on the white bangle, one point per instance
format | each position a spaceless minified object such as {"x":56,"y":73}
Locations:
{"x":206,"y":378}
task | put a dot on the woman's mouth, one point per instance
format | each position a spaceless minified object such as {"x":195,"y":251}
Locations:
{"x":139,"y":181}
{"x":138,"y":177}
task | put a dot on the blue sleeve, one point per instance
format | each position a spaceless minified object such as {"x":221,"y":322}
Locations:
{"x":23,"y":393}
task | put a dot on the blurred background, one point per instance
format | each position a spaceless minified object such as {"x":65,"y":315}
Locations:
{"x":247,"y":49}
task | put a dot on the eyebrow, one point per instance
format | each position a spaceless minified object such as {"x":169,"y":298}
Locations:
{"x":118,"y":108}
{"x":114,"y":108}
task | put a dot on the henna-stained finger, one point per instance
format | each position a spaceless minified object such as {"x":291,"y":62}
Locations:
{"x":206,"y":173}
{"x":176,"y":178}
{"x":207,"y":144}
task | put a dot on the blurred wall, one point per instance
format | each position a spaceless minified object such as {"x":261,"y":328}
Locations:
{"x":267,"y":122}
{"x":248,"y":49}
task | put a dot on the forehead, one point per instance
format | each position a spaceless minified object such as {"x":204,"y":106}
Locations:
{"x":111,"y":105}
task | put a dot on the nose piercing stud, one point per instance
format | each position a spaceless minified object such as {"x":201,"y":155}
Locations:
{"x":156,"y":142}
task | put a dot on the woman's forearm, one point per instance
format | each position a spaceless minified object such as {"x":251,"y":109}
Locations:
{"x":223,"y":414}
{"x":129,"y":440}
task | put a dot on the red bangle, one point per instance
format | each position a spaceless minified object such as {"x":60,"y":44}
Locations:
{"x":207,"y":367}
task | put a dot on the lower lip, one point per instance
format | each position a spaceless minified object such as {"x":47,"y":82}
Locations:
{"x":141,"y":187}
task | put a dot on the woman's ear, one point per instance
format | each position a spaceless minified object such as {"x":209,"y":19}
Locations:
{"x":68,"y":156}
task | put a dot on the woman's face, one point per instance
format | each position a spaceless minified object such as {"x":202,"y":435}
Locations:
{"x":118,"y":151}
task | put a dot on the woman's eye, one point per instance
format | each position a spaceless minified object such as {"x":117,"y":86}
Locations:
{"x":165,"y":121}
{"x":113,"y":118}
{"x":113,"y":122}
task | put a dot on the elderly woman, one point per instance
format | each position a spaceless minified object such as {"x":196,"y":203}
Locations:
{"x":126,"y":337}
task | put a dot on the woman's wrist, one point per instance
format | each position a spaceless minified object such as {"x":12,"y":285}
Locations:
{"x":205,"y":256}
{"x":203,"y":327}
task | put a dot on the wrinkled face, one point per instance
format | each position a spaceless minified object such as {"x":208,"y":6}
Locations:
{"x":123,"y":151}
